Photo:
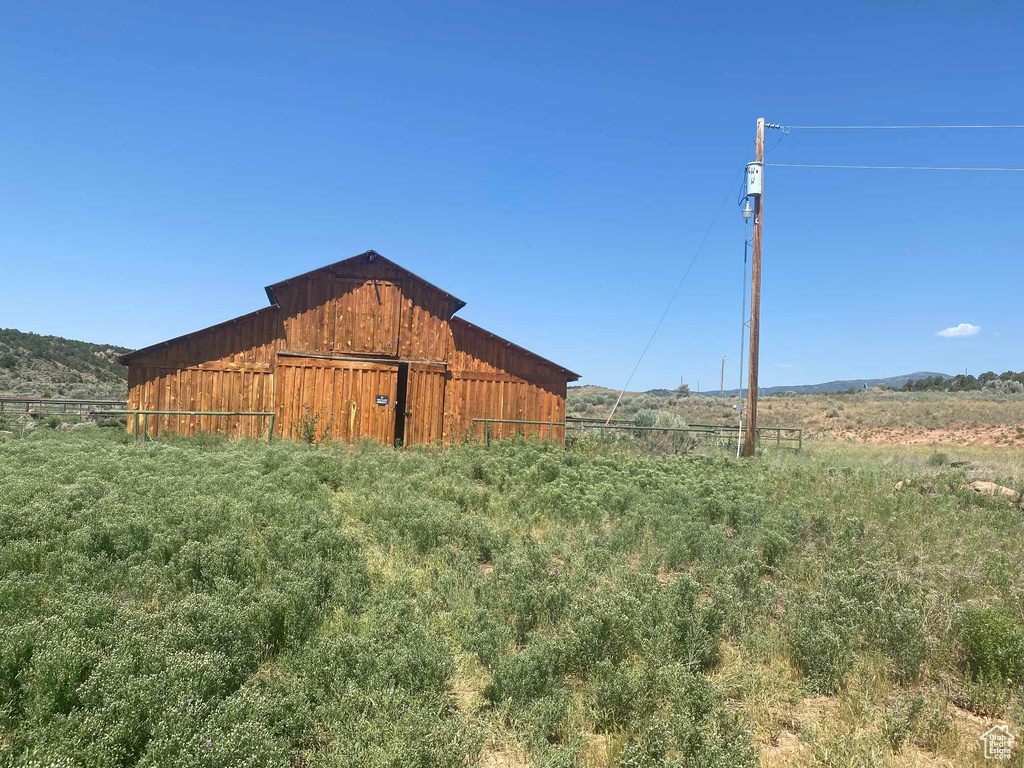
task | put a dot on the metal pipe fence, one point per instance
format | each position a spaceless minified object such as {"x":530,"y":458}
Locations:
{"x":40,"y":406}
{"x":147,"y":413}
{"x":692,"y":435}
{"x":488,"y":428}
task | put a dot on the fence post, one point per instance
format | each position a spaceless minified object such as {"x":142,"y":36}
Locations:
{"x":800,"y":435}
{"x":270,"y":432}
{"x":487,"y":433}
{"x":135,"y":428}
{"x":145,"y":426}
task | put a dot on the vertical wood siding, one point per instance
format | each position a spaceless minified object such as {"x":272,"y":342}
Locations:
{"x":340,"y":395}
{"x":457,"y":372}
{"x":490,"y":378}
{"x":425,"y":397}
{"x":225,"y":368}
{"x":425,"y":315}
{"x":365,"y":308}
{"x":331,"y":314}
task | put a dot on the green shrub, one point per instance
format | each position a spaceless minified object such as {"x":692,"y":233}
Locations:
{"x":775,"y":546}
{"x":821,"y":643}
{"x":195,"y":602}
{"x":527,"y":591}
{"x":901,"y":720}
{"x":617,"y":694}
{"x":699,"y":727}
{"x":645,"y":418}
{"x":993,"y":644}
{"x":311,"y":429}
{"x":685,"y":631}
{"x":546,"y":719}
{"x":535,"y":672}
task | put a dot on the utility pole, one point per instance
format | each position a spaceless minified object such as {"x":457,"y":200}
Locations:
{"x":750,"y":439}
{"x":721,"y":386}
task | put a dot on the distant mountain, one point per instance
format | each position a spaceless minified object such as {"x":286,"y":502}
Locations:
{"x":50,"y":366}
{"x":843,"y":385}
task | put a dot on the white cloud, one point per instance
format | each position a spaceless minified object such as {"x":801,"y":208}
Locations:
{"x":961,"y":331}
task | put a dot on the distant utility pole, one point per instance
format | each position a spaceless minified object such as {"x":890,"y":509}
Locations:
{"x":750,"y":438}
{"x":721,"y":386}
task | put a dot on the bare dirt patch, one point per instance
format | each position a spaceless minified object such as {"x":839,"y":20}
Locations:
{"x":979,"y":436}
{"x":495,"y":756}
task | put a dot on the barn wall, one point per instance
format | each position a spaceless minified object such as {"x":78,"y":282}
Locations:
{"x":424,"y":324}
{"x":225,"y":368}
{"x":335,"y":398}
{"x":365,"y":308}
{"x":285,"y":359}
{"x":489,"y":378}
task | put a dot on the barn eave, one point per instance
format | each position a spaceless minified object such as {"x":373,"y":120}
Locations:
{"x":129,"y":356}
{"x":569,"y":375}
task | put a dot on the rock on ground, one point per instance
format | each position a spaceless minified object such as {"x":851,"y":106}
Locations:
{"x":987,"y":488}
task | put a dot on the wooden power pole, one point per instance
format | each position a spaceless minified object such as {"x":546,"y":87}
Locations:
{"x":721,"y":385}
{"x":750,"y":438}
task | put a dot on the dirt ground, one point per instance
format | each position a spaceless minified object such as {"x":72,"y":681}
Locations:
{"x":1006,"y":436}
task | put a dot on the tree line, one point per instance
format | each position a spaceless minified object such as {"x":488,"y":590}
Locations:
{"x":967,"y":382}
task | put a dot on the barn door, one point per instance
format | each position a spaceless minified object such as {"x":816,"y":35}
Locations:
{"x":346,"y":399}
{"x":366,"y":316}
{"x":424,"y":403}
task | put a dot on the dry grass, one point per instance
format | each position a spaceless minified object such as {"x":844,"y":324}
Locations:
{"x":871,"y":416}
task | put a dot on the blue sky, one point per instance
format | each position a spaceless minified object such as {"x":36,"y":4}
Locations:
{"x":554,"y":165}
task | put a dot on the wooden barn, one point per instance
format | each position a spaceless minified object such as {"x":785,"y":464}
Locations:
{"x":362,"y":347}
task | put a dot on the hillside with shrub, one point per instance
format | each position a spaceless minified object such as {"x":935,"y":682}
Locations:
{"x":203,"y":602}
{"x":32,"y":365}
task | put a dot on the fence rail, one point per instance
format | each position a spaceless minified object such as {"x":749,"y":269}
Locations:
{"x":40,"y":406}
{"x":488,"y":426}
{"x":720,"y":434}
{"x":146,"y":414}
{"x":701,"y":434}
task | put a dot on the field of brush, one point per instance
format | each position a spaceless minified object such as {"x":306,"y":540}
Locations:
{"x":211,"y":603}
{"x":868,"y":416}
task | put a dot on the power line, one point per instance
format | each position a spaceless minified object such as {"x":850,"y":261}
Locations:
{"x":897,"y":167}
{"x":890,"y":127}
{"x":675,"y":292}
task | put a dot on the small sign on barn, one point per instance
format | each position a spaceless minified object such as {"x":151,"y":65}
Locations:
{"x":382,"y":399}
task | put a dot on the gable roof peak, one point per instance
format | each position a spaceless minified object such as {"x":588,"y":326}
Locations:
{"x":369,"y":256}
